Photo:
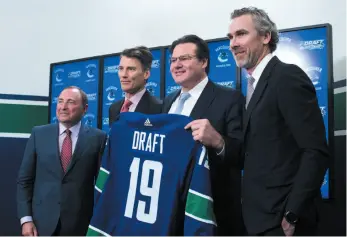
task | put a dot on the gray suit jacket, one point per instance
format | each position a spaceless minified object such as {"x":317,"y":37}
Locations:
{"x":46,"y":193}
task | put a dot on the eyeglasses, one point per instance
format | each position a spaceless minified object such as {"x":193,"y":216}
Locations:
{"x":182,"y":58}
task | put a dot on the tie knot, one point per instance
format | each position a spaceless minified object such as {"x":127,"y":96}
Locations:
{"x":68,"y":132}
{"x":184,"y":96}
{"x":127,"y":103}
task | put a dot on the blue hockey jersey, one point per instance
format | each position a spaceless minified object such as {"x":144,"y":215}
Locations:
{"x":153,"y":180}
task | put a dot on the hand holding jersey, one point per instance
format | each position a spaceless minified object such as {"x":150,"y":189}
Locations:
{"x":153,"y":176}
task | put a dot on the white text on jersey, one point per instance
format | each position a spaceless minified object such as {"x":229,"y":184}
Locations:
{"x":147,"y":141}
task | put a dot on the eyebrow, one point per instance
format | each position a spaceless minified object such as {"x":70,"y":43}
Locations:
{"x":129,"y":67}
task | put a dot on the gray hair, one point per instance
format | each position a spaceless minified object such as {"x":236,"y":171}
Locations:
{"x":263,"y":23}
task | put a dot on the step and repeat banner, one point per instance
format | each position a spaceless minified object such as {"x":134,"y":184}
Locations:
{"x":308,"y":47}
{"x":84,"y":74}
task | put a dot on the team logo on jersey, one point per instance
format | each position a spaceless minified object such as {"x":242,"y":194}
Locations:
{"x":148,"y":123}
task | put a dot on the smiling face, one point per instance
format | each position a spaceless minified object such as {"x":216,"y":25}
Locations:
{"x":131,"y":75}
{"x":246,"y":45}
{"x":70,"y":108}
{"x":186,"y":69}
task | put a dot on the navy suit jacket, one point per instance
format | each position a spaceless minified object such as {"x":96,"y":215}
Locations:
{"x":46,"y":193}
{"x":148,"y":104}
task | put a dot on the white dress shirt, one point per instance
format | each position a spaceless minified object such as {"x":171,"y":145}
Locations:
{"x":191,"y":101}
{"x":135,"y":99}
{"x":260,"y":68}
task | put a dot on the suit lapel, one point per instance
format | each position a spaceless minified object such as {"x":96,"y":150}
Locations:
{"x":53,"y":141}
{"x":80,"y":145}
{"x":119,"y":106}
{"x":259,"y":90}
{"x":142,"y":106}
{"x":204,"y":101}
{"x":168,"y":103}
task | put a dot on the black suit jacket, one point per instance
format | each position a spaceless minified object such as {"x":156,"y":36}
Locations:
{"x":147,"y":105}
{"x":48,"y":194}
{"x":223,"y":108}
{"x":286,"y":152}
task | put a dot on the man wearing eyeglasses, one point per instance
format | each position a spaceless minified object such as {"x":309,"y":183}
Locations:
{"x":217,"y":114}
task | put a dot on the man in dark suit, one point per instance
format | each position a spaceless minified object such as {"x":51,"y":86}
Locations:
{"x":217,"y":114}
{"x":285,"y":149}
{"x":134,"y":71}
{"x":55,"y":186}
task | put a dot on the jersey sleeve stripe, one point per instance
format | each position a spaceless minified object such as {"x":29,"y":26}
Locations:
{"x":201,"y":220}
{"x":93,"y":231}
{"x":101,"y":180}
{"x":200,"y":195}
{"x":104,"y":170}
{"x":200,"y":207}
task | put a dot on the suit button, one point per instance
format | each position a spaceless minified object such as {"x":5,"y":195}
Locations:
{"x":59,"y":203}
{"x":246,"y":154}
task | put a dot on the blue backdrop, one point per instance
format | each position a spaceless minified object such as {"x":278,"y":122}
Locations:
{"x":84,"y":74}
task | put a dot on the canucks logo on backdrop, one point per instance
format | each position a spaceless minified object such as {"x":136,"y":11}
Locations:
{"x":311,"y":44}
{"x":54,"y":120}
{"x":58,"y":77}
{"x":105,"y":120}
{"x":223,"y":53}
{"x":323,"y":110}
{"x":314,"y":74}
{"x":89,"y":118}
{"x":151,"y":87}
{"x":156,"y":63}
{"x":111,"y":94}
{"x":111,"y":69}
{"x":91,"y":72}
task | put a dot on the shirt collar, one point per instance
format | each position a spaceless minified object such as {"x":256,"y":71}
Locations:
{"x":196,"y":91}
{"x":135,"y":99}
{"x":74,"y":129}
{"x":260,"y":67}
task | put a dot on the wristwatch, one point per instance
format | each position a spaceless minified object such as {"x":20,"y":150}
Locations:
{"x":291,"y":217}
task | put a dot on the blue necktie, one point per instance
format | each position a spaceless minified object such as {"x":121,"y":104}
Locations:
{"x":183,"y":97}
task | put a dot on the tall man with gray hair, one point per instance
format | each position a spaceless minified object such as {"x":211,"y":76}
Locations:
{"x":285,"y":149}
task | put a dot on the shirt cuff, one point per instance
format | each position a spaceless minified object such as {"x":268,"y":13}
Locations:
{"x":221,"y":153}
{"x":25,"y":219}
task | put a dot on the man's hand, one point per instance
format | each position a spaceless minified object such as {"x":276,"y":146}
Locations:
{"x":288,"y":228}
{"x":205,"y":133}
{"x":29,"y":229}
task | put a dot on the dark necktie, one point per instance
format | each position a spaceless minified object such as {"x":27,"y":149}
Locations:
{"x":183,"y":97}
{"x":250,"y":90}
{"x":66,"y":150}
{"x":126,"y":106}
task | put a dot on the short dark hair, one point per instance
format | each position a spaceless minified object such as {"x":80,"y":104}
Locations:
{"x":262,"y":22}
{"x":202,"y":50}
{"x":84,"y":96}
{"x":141,"y":53}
